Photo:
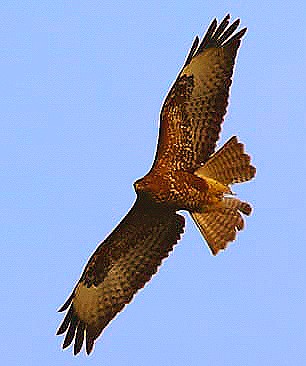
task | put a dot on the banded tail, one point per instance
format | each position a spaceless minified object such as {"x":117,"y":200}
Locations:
{"x":220,"y":224}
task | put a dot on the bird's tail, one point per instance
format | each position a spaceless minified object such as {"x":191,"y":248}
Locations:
{"x":219,"y":224}
{"x":228,"y":165}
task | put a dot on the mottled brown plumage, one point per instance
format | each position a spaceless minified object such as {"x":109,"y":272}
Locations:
{"x":186,"y":175}
{"x":120,"y":266}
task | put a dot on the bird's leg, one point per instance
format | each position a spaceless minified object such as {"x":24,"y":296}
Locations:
{"x":216,"y":191}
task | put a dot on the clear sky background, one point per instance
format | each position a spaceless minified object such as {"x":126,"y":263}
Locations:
{"x":81,"y":87}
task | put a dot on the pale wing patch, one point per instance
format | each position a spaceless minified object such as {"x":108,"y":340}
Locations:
{"x":86,"y":303}
{"x":120,"y":266}
{"x":195,"y":107}
{"x":208,"y":70}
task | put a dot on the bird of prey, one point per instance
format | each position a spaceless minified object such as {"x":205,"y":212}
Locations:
{"x":187,"y":174}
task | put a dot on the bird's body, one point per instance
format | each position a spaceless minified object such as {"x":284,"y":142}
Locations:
{"x":187,"y":174}
{"x":182,"y":190}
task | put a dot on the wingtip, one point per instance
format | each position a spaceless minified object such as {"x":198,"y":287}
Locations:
{"x":66,"y":304}
{"x":89,"y":345}
{"x":76,"y":350}
{"x":65,"y":323}
{"x":236,"y":38}
{"x":236,"y":22}
{"x":214,"y":23}
{"x":221,"y":35}
{"x":243,"y":31}
{"x":65,"y":344}
{"x":61,"y":309}
{"x":59,"y":331}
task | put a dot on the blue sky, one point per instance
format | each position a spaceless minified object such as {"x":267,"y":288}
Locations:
{"x":82,"y":83}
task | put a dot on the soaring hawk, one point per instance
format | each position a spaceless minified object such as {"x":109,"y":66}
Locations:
{"x":187,"y":174}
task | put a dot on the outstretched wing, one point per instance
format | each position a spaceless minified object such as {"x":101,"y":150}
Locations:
{"x":194,"y":109}
{"x":119,"y":267}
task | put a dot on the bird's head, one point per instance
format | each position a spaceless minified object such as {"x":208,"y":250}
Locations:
{"x":141,"y":185}
{"x":145,"y":184}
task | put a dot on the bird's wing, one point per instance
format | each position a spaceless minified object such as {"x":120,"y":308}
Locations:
{"x":195,"y":106}
{"x":119,"y":267}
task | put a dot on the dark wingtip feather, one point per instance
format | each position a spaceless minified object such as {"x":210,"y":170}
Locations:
{"x":236,"y":36}
{"x":79,"y":338}
{"x":222,"y":27}
{"x":71,"y":331}
{"x":192,"y":50}
{"x":227,"y":33}
{"x":66,"y":304}
{"x":92,"y":333}
{"x":218,"y":36}
{"x":208,"y":35}
{"x":63,"y":327}
{"x":89,"y":344}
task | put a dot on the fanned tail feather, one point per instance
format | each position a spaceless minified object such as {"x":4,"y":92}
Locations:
{"x":228,"y":165}
{"x":219,"y":224}
{"x":234,"y":204}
